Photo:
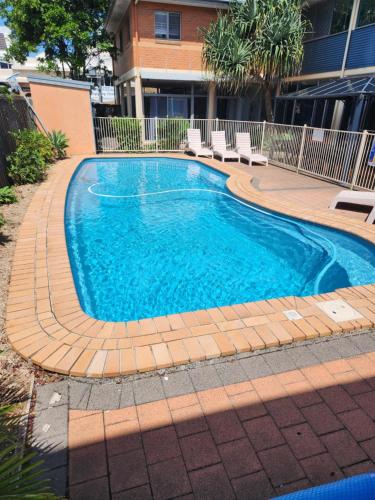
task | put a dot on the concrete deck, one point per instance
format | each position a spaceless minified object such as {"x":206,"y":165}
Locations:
{"x":284,"y":185}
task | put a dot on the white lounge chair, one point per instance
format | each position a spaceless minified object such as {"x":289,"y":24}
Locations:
{"x":195,"y":144}
{"x":219,"y":146}
{"x":245,"y":150}
{"x":356,"y":198}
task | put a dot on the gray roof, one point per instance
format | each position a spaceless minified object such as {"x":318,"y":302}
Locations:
{"x":59,"y":82}
{"x":335,"y":89}
{"x":3,"y":43}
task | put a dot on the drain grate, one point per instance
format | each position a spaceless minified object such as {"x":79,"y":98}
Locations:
{"x":339,"y":310}
{"x":292,"y":314}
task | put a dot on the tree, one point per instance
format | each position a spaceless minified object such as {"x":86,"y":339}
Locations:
{"x":256,"y":41}
{"x":69,"y":32}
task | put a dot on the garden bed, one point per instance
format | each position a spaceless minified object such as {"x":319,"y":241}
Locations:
{"x":10,"y":362}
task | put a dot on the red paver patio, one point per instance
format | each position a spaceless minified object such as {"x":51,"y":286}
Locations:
{"x":254,"y":439}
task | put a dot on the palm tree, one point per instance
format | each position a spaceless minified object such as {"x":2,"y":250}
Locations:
{"x":256,"y":41}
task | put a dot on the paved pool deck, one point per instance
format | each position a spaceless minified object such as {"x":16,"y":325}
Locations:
{"x":45,"y":322}
{"x":280,"y":184}
{"x":251,"y":426}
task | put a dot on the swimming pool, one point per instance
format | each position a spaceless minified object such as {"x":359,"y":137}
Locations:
{"x":153,"y":236}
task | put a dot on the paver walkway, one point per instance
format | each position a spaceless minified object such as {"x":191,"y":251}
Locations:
{"x":249,"y":427}
{"x":282,"y":185}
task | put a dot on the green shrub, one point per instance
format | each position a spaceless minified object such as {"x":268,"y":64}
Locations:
{"x":127,"y":133}
{"x":59,"y":143}
{"x":6,"y":92}
{"x":2,"y":220}
{"x":29,"y":162}
{"x":7,"y":195}
{"x":171,"y":132}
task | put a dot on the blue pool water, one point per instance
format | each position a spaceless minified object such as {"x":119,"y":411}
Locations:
{"x":148,"y":237}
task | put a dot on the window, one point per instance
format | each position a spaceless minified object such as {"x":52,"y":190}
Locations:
{"x":167,"y":25}
{"x":366,"y":13}
{"x":328,"y":18}
{"x":341,"y":16}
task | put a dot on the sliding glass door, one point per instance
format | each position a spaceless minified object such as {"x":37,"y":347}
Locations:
{"x":168,"y":106}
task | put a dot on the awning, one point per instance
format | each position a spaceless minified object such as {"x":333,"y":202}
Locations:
{"x":336,"y":89}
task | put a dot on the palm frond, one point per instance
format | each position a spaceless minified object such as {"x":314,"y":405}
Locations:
{"x":256,"y":40}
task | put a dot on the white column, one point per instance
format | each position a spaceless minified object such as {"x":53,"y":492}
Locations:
{"x":138,"y":97}
{"x":117,"y":94}
{"x":337,"y":115}
{"x":129,"y":103}
{"x":121,"y":97}
{"x":192,"y":102}
{"x":211,"y":105}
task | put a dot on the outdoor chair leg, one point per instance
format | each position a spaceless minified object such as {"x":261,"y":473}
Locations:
{"x":371,"y":217}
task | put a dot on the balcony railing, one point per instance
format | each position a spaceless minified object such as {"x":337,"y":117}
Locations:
{"x":361,"y":49}
{"x":324,"y":54}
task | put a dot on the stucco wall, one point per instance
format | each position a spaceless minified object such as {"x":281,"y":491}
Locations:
{"x":67,"y":109}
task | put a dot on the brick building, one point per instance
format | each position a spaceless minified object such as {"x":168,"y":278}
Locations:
{"x":159,"y":65}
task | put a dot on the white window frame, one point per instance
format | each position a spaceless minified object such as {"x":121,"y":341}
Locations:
{"x":167,"y":14}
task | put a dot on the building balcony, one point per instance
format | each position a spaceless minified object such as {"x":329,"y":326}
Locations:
{"x":325,"y":54}
{"x":361,"y":51}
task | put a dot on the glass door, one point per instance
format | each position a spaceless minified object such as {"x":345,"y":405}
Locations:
{"x":178,"y":107}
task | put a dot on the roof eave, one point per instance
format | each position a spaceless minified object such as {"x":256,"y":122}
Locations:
{"x":118,"y":8}
{"x":115,"y":14}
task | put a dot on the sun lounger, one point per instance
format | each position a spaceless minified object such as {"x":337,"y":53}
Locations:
{"x":219,"y":147}
{"x":195,"y":144}
{"x":357,"y":198}
{"x":246,"y":151}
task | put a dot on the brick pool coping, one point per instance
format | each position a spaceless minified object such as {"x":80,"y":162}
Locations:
{"x":45,"y":322}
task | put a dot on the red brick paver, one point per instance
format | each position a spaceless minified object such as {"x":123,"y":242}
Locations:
{"x":245,"y":440}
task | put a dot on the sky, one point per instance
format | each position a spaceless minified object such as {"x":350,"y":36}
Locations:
{"x":6,"y":30}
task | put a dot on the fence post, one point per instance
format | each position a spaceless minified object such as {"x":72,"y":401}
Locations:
{"x":156,"y":134}
{"x":302,"y":147}
{"x":217,"y":124}
{"x":358,"y":162}
{"x":263,"y":131}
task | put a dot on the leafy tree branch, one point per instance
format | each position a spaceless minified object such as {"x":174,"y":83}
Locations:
{"x":68,"y":32}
